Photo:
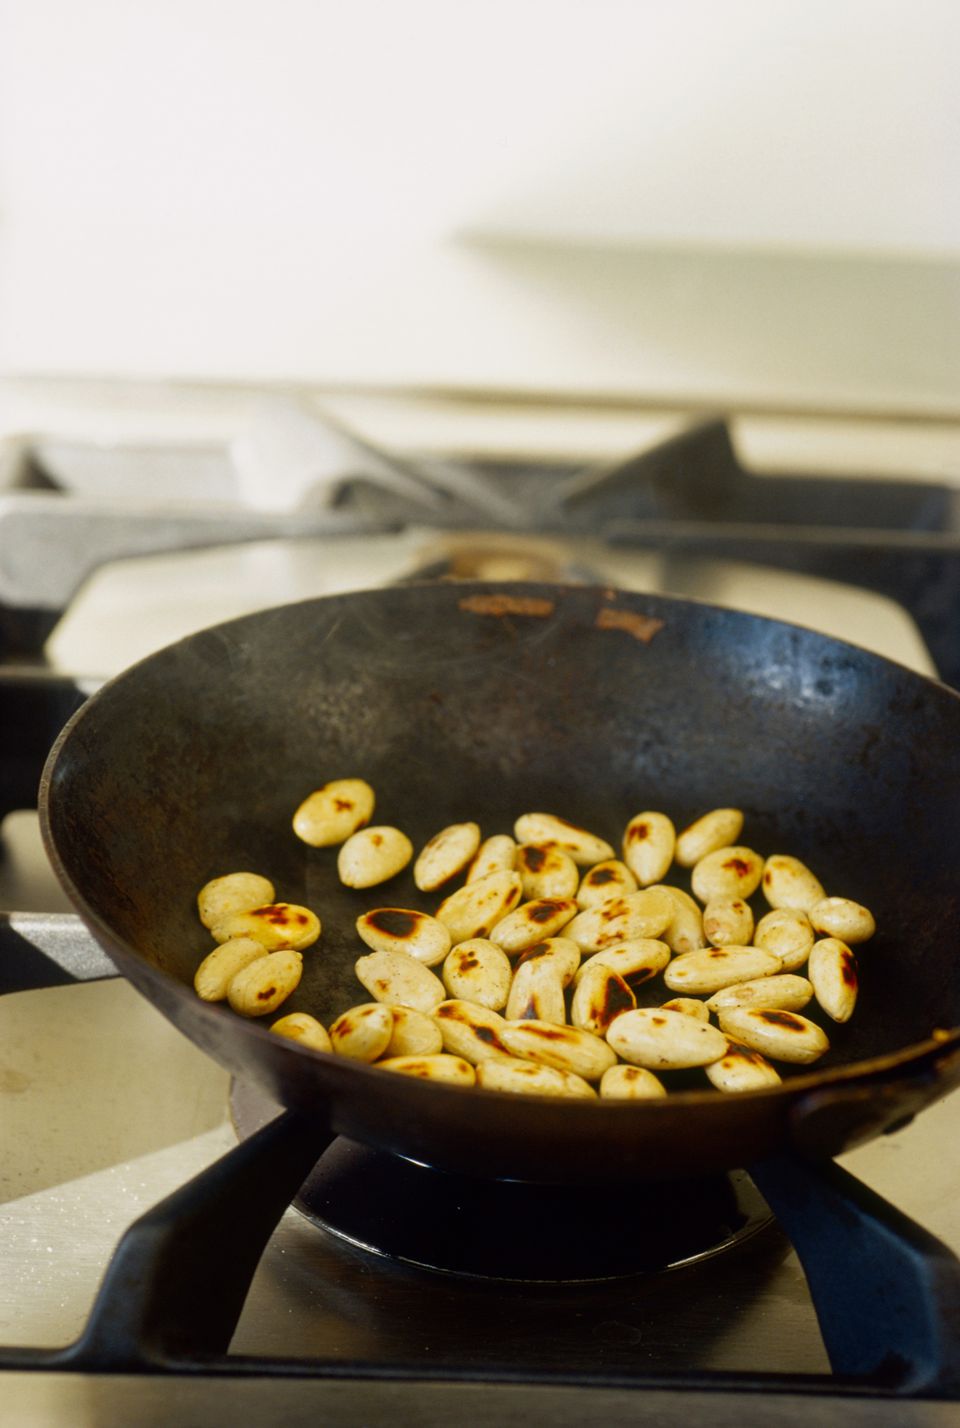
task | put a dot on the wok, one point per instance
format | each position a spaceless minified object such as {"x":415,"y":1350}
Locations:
{"x":460,"y":701}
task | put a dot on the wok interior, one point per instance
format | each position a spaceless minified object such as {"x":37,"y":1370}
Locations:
{"x":191,"y":765}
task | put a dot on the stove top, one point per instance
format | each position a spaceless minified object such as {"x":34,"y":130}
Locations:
{"x":88,"y":1147}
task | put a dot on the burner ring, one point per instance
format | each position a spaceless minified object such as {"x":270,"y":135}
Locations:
{"x":512,"y":1230}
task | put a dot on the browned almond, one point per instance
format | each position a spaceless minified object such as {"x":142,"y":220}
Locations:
{"x":531,"y":922}
{"x":546,"y":872}
{"x":448,"y":853}
{"x":403,"y":929}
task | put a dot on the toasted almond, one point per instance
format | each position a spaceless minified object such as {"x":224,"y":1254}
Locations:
{"x":372,"y":856}
{"x":560,"y":952}
{"x":787,"y":934}
{"x":720,"y":828}
{"x":452,"y":1069}
{"x":448,"y":853}
{"x":843,"y":918}
{"x":304,"y":1029}
{"x":833,"y":971}
{"x":495,"y":855}
{"x":684,"y":932}
{"x":536,"y":994}
{"x":631,"y":1083}
{"x":566,"y":1048}
{"x":622,"y":919}
{"x":733,"y":871}
{"x":789,"y":883}
{"x":363,"y":1033}
{"x":781,"y":992}
{"x":531,"y":922}
{"x":712,"y":968}
{"x":584,"y":848}
{"x":401,"y":929}
{"x":648,"y":843}
{"x":475,"y":909}
{"x":636,"y":960}
{"x":742,"y":1069}
{"x":234,"y":892}
{"x":728,"y":920}
{"x":414,"y":1034}
{"x":470,"y":1031}
{"x":333,"y":812}
{"x":261,"y":986}
{"x":399,"y":980}
{"x":217,"y":970}
{"x":665,"y":1040}
{"x":781,"y":1035}
{"x":546,"y":872}
{"x":524,"y":1078}
{"x":276,"y":925}
{"x":478,"y":971}
{"x":600,"y":997}
{"x":690,"y":1006}
{"x":605,"y":881}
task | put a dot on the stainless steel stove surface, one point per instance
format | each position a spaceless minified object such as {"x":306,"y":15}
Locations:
{"x":105,"y":1109}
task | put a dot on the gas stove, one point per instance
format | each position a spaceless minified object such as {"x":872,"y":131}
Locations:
{"x":230,"y":1299}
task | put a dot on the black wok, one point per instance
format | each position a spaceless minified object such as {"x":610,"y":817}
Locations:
{"x":461,"y":701}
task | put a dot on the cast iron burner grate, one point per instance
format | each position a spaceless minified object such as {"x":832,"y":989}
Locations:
{"x":688,"y":496}
{"x":886,"y":1293}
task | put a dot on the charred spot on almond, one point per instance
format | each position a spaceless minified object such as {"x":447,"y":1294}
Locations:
{"x":539,"y":949}
{"x":741,"y":1053}
{"x":617,"y":998}
{"x":658,"y":1021}
{"x":343,"y":805}
{"x":737,"y":865}
{"x":468,"y":962}
{"x":488,"y":1036}
{"x":546,"y":909}
{"x":599,"y":876}
{"x":395,"y":921}
{"x":534,"y":858}
{"x":638,"y":831}
{"x":784,"y":1019}
{"x":272,"y":912}
{"x":637,"y":978}
{"x":376,"y":839}
{"x":848,"y":969}
{"x":266,"y":994}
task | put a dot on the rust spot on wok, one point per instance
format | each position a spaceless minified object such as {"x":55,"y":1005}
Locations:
{"x":507,"y":605}
{"x":641,"y":627}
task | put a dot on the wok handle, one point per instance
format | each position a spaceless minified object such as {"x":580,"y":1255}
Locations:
{"x":48,"y":949}
{"x":886,"y":1292}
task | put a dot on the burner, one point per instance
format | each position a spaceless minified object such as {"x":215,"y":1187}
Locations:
{"x":511,"y":1229}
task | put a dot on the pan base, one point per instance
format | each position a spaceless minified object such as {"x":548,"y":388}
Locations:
{"x":513,"y":1230}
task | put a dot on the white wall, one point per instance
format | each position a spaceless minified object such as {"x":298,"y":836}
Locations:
{"x":295,"y":187}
